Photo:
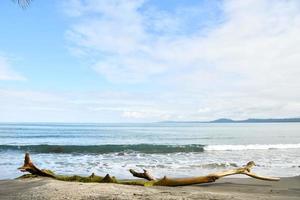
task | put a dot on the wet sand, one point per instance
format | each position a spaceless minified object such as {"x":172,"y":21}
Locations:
{"x":227,"y":189}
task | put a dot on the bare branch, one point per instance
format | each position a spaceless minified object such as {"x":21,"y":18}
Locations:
{"x":243,"y":170}
{"x":144,"y":175}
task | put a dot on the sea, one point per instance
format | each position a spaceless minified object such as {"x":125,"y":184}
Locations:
{"x":172,"y":149}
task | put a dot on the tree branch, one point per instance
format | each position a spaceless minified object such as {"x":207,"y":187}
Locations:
{"x":144,"y":175}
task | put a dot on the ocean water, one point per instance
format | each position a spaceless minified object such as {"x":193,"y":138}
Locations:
{"x":173,"y":149}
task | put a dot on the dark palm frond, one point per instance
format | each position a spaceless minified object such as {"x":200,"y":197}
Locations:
{"x":23,"y":3}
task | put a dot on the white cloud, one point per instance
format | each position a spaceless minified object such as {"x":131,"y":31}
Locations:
{"x":258,"y":38}
{"x":117,"y":40}
{"x":242,"y":65}
{"x":6,"y":72}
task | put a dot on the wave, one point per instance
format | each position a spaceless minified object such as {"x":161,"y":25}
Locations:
{"x":142,"y":148}
{"x":102,"y":149}
{"x":215,"y":165}
{"x":250,"y":147}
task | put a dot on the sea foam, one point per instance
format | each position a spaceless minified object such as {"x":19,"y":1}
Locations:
{"x":250,"y":147}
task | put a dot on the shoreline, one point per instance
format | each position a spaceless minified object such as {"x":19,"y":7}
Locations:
{"x":226,"y":188}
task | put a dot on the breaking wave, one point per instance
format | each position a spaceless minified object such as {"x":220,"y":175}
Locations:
{"x":250,"y":147}
{"x":101,"y":149}
{"x":141,"y":148}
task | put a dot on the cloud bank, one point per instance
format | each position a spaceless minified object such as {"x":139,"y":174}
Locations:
{"x":198,"y":61}
{"x":242,"y":62}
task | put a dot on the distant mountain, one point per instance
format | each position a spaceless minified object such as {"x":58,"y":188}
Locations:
{"x":222,"y":120}
{"x":282,"y":120}
{"x":251,"y":120}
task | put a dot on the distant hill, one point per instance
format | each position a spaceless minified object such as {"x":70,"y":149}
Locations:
{"x":222,"y":120}
{"x":251,"y":120}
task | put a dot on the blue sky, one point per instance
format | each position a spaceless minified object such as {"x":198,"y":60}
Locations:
{"x":149,"y":60}
{"x":34,"y":41}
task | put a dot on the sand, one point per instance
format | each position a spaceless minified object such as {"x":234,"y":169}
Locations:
{"x":225,"y":189}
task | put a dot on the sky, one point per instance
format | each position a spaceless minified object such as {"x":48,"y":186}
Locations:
{"x":149,"y":60}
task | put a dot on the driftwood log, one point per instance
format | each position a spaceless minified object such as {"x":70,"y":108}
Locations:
{"x":147,"y":178}
{"x":31,"y":168}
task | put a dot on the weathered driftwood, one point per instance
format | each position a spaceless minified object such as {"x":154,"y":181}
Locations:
{"x":31,"y":168}
{"x":144,"y":175}
{"x":149,"y":179}
{"x":209,"y":178}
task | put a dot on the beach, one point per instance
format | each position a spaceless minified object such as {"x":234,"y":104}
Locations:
{"x":175,"y":150}
{"x":227,"y":188}
{"x":149,"y":99}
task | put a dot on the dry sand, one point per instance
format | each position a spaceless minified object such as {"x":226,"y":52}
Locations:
{"x":227,"y":188}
